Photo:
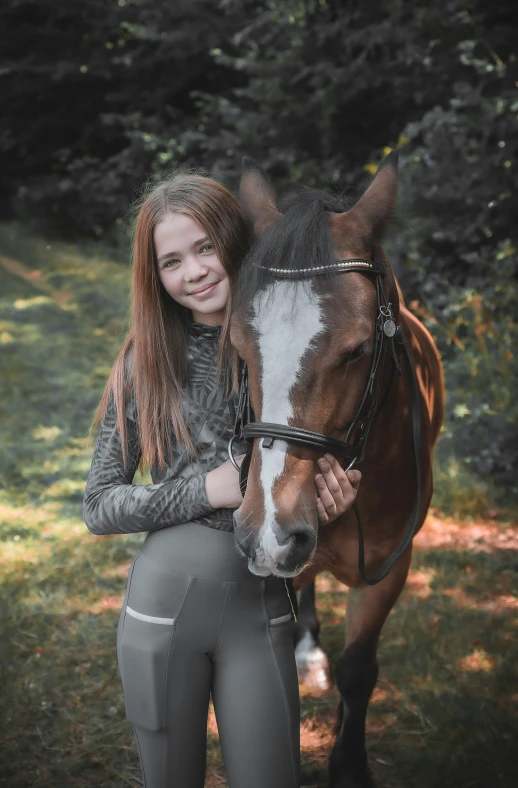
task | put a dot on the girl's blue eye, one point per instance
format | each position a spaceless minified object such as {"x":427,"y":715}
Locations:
{"x":170,"y":263}
{"x":206,"y":246}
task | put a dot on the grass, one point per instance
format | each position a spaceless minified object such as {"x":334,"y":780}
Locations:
{"x":444,"y":711}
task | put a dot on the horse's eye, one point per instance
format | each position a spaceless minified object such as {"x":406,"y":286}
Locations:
{"x":357,"y":353}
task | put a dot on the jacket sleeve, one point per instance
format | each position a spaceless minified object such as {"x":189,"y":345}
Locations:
{"x":113,"y":505}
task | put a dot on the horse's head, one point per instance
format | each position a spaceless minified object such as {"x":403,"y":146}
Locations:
{"x":308,"y":343}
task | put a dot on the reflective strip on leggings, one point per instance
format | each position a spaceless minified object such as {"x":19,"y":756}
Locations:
{"x":280,"y":619}
{"x":151,"y":619}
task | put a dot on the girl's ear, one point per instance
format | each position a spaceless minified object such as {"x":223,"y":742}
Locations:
{"x":258,"y":197}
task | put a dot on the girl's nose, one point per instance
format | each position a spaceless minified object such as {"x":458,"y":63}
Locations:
{"x":194,"y":268}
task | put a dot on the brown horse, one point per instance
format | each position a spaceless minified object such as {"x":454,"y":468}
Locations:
{"x":305,"y":325}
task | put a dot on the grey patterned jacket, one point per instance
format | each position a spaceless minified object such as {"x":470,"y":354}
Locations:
{"x":113,"y":505}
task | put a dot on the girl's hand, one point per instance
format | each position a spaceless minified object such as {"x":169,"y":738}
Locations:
{"x":337,"y":489}
{"x":222,"y":486}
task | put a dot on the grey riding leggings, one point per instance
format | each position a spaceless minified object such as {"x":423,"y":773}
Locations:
{"x":197,"y":623}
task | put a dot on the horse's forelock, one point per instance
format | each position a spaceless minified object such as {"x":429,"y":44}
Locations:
{"x":299,"y":239}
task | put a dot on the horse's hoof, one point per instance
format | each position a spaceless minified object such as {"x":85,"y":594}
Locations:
{"x":344,"y":774}
{"x":313,"y":669}
{"x":349,"y":781}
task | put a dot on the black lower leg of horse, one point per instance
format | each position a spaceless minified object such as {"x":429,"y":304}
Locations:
{"x":356,"y":673}
{"x":307,"y":620}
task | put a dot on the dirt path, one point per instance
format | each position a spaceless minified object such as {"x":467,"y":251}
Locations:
{"x":447,"y":534}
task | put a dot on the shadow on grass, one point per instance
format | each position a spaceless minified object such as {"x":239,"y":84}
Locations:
{"x":444,"y":711}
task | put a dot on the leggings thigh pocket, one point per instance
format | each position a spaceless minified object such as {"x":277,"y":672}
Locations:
{"x":122,"y":615}
{"x":144,"y":651}
{"x":152,"y":607}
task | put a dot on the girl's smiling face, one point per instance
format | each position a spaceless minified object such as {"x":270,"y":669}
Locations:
{"x":189,"y":268}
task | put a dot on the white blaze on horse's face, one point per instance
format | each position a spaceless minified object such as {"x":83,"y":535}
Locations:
{"x":288,"y":317}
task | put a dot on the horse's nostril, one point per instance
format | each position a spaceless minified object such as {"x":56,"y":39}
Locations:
{"x":302,"y":540}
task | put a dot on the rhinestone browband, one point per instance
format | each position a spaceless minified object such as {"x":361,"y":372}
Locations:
{"x":343,"y":265}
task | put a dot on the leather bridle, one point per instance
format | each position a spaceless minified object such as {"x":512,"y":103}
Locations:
{"x":245,"y":426}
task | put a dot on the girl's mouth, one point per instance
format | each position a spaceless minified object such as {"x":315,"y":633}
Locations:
{"x":205,"y":291}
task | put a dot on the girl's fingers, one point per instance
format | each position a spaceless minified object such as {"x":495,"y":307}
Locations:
{"x":321,"y":511}
{"x":336,"y":488}
{"x":344,"y":478}
{"x":325,"y":495}
{"x":336,"y":478}
{"x":354,"y":477}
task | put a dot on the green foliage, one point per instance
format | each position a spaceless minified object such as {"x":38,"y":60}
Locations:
{"x":458,"y":262}
{"x":87,"y":89}
{"x":312,"y":89}
{"x":481,"y":375}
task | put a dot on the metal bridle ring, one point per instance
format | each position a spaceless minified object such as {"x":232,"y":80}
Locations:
{"x":230,"y":455}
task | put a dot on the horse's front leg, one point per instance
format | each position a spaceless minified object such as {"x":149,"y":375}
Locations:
{"x":356,"y":673}
{"x":313,"y":666}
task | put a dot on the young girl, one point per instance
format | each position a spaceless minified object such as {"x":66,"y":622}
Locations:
{"x":195,"y":622}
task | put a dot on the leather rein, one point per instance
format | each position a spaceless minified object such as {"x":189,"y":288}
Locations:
{"x":245,"y":426}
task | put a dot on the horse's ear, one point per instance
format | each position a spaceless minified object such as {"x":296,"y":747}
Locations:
{"x":257,"y":196}
{"x":376,"y":206}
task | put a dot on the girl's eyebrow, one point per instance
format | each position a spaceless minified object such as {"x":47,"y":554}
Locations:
{"x":167,"y":255}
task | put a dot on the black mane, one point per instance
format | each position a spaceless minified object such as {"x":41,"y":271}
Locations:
{"x":299,"y":239}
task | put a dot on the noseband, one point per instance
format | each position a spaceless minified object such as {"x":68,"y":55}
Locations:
{"x":245,"y":426}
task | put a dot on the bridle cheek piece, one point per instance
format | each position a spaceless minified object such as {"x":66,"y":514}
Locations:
{"x":386,"y":331}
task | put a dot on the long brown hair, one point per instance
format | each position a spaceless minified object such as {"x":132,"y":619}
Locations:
{"x":153,"y":359}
